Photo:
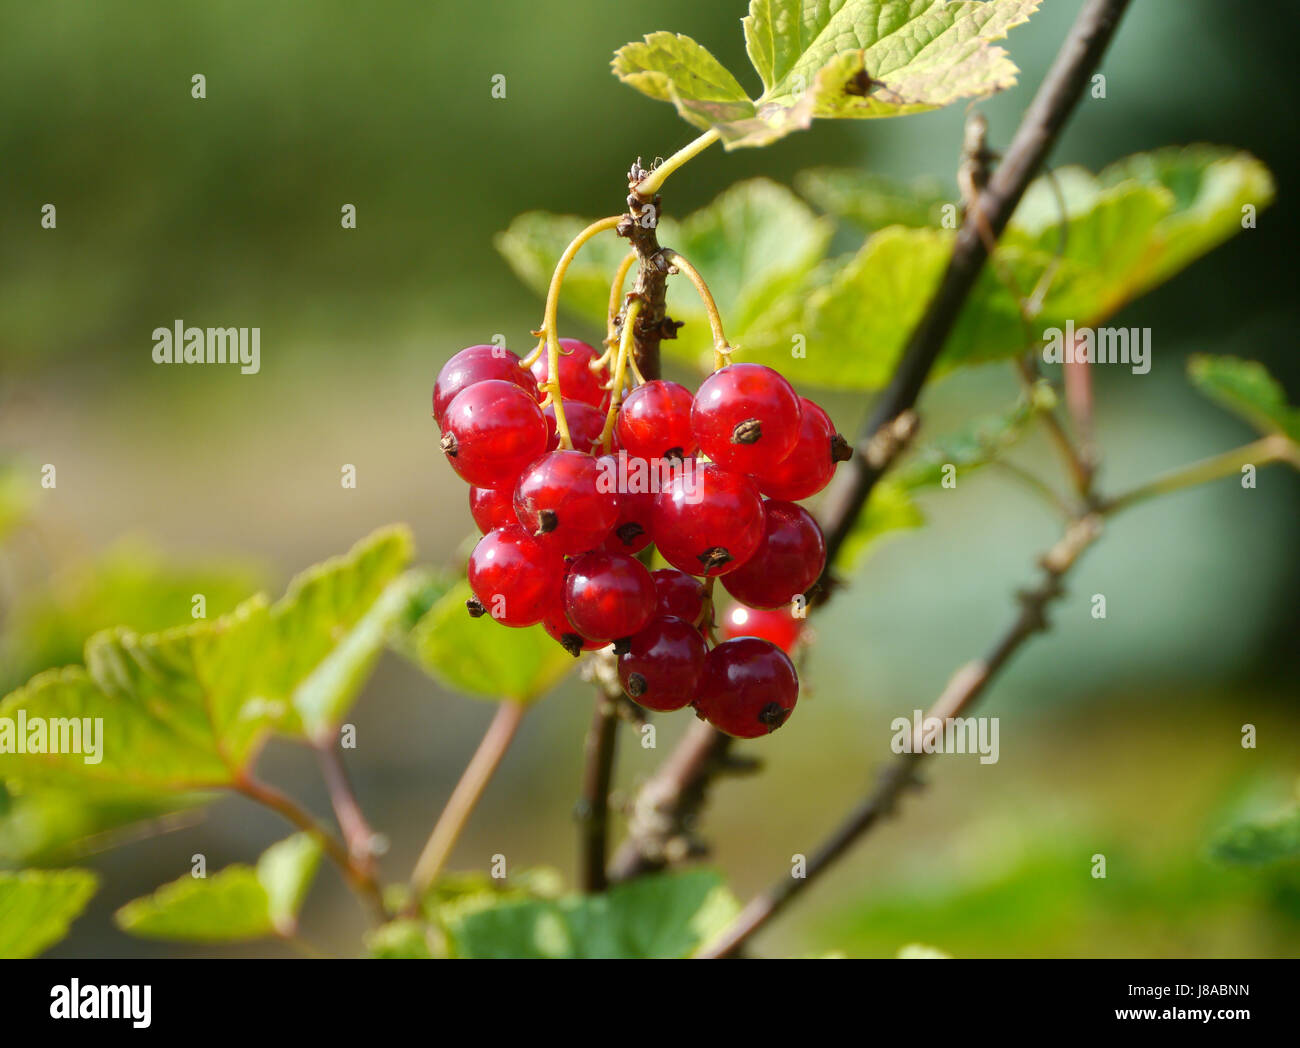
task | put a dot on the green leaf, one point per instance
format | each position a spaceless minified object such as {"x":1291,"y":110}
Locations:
{"x":1246,"y":389}
{"x":533,"y":244}
{"x":236,"y":904}
{"x":836,"y":59}
{"x":917,"y":951}
{"x":478,"y":656}
{"x":48,"y":827}
{"x":889,"y":509}
{"x":756,"y":245}
{"x":668,"y":915}
{"x":976,"y":444}
{"x":129,"y":585}
{"x":401,"y":940}
{"x":183,"y":709}
{"x":1259,"y":842}
{"x":333,"y":622}
{"x":870,"y":201}
{"x":673,"y":68}
{"x":36,"y":907}
{"x":1127,"y":229}
{"x":188,"y":708}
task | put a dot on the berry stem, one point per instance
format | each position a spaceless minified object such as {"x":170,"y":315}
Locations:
{"x":548,"y":334}
{"x":437,"y":850}
{"x":616,"y":299}
{"x":721,"y":349}
{"x":653,"y":182}
{"x":620,"y":374}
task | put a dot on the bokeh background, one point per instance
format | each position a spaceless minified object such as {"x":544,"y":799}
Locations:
{"x":1119,"y":736}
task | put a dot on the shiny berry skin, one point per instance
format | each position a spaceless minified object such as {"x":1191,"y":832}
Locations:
{"x":514,"y":578}
{"x":635,"y":517}
{"x":708,"y":520}
{"x":577,"y":380}
{"x":586,"y":424}
{"x":779,"y":626}
{"x":787,"y":562}
{"x":655,"y":421}
{"x":810,"y":466}
{"x":662,"y":665}
{"x":679,"y":594}
{"x":557,"y":624}
{"x":562,"y":500}
{"x":608,"y":596}
{"x":492,"y":508}
{"x":746,"y":417}
{"x":748,"y":688}
{"x":492,"y":430}
{"x":478,"y":364}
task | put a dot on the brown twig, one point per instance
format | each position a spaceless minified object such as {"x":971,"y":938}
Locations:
{"x":592,"y":811}
{"x":356,"y":831}
{"x":683,"y":779}
{"x":963,"y":690}
{"x":361,"y":879}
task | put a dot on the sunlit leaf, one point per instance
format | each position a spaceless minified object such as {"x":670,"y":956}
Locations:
{"x":1246,"y":388}
{"x":666,"y":915}
{"x":483,"y":658}
{"x":235,"y":904}
{"x":36,"y":907}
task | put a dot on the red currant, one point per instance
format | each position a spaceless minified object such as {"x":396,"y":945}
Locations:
{"x":778,"y":626}
{"x":635,"y":514}
{"x":557,"y":624}
{"x":492,"y":430}
{"x":662,"y":665}
{"x":680,"y":595}
{"x":788,"y":561}
{"x":748,"y":688}
{"x":577,"y":379}
{"x":810,"y":466}
{"x":707,"y":520}
{"x":608,"y":596}
{"x":746,"y":417}
{"x":492,"y":508}
{"x":565,"y":499}
{"x":513,"y":576}
{"x":477,"y":364}
{"x":655,"y":421}
{"x":586,"y":425}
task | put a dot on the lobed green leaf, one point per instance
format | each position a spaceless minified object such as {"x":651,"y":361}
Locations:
{"x":1246,"y":389}
{"x":236,"y":904}
{"x":37,"y":906}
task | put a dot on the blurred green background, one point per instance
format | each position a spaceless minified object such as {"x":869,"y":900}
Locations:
{"x":1119,"y":737}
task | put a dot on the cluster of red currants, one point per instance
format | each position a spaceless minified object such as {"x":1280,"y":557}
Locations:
{"x":562,"y":527}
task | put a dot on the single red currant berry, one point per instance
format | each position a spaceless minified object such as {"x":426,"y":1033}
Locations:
{"x":655,"y":421}
{"x":478,"y":364}
{"x":787,"y":562}
{"x":492,"y":508}
{"x":557,"y":624}
{"x":810,"y":466}
{"x":778,"y":626}
{"x":746,"y":417}
{"x":707,"y":520}
{"x":513,"y":576}
{"x":608,"y":596}
{"x":492,"y":430}
{"x":679,"y":594}
{"x":662,"y":665}
{"x":748,"y":688}
{"x":635,"y":515}
{"x":565,"y":499}
{"x":577,"y":379}
{"x":586,"y":425}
